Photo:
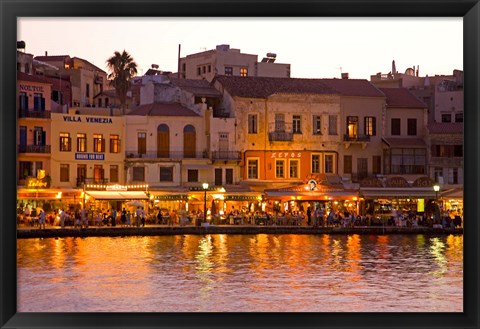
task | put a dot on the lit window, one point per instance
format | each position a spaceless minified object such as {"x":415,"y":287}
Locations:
{"x":114,"y":144}
{"x":370,"y":126}
{"x":243,"y":72}
{"x":81,"y":142}
{"x":98,"y":143}
{"x":65,"y":142}
{"x":296,"y":124}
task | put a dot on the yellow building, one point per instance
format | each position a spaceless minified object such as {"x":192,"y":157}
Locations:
{"x":88,"y":148}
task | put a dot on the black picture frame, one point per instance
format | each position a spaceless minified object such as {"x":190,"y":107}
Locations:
{"x":10,"y":10}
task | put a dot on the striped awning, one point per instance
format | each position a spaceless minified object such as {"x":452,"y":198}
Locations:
{"x":118,"y":195}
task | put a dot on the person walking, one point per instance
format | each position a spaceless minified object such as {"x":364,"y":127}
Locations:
{"x":123,"y":217}
{"x":142,"y":214}
{"x":62,"y":218}
{"x":41,"y":219}
{"x":114,"y":217}
{"x":138,"y":214}
{"x":84,"y":218}
{"x":129,"y":218}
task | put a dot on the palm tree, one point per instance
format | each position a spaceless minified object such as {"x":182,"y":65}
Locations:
{"x":123,"y":68}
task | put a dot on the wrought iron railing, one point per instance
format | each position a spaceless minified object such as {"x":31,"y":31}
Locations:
{"x":24,"y":113}
{"x":167,"y":155}
{"x":34,"y":148}
{"x":357,"y":138}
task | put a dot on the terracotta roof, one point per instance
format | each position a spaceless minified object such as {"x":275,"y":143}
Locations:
{"x":33,"y":78}
{"x":262,"y":87}
{"x":404,"y":142}
{"x":354,"y":87}
{"x":84,"y":60}
{"x":445,"y":128}
{"x":196,"y":87}
{"x":163,"y":109}
{"x":401,"y":97}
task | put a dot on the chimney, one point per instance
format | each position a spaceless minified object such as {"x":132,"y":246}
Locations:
{"x":46,"y":53}
{"x":345,"y":76}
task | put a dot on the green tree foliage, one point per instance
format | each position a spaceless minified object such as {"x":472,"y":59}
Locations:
{"x":123,"y":68}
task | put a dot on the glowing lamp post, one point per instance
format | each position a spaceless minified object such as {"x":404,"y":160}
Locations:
{"x":205,"y":188}
{"x":436,"y":188}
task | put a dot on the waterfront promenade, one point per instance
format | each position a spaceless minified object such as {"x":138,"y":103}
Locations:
{"x":153,"y":230}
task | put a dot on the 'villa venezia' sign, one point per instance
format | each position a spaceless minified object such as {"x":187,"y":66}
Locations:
{"x":68,"y":118}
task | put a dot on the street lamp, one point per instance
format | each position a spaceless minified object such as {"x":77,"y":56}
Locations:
{"x":436,"y":188}
{"x":205,"y":188}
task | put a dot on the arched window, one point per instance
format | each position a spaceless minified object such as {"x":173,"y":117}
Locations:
{"x":189,"y":141}
{"x":163,"y":141}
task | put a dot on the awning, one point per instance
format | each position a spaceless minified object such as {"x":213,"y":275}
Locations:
{"x":404,"y":142}
{"x":456,"y":193}
{"x":118,"y":195}
{"x":399,"y":193}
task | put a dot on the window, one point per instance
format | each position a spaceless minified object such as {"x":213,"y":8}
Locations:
{"x":280,"y":168}
{"x":81,"y":174}
{"x":395,"y":126}
{"x":459,"y":117}
{"x":199,"y":70}
{"x":209,"y":68}
{"x":412,"y":127}
{"x":376,"y":164}
{"x":192,"y":175}
{"x":362,"y":168}
{"x":166,"y":174}
{"x":296,"y":124}
{"x":65,"y":142}
{"x":114,"y":144}
{"x":138,"y":174}
{"x":252,"y":123}
{"x":228,"y":70}
{"x":317,"y":125}
{"x":142,"y":142}
{"x":99,"y":102}
{"x":294,"y":169}
{"x":81,"y":142}
{"x":38,"y":102}
{"x":347,"y":164}
{"x":329,"y":164}
{"x":446,"y":118}
{"x":114,"y":173}
{"x":98,"y":143}
{"x":437,"y":172}
{"x":332,"y":125}
{"x":23,"y":101}
{"x":106,"y":102}
{"x":252,"y":169}
{"x":352,"y":126}
{"x":453,"y":177}
{"x":64,"y":172}
{"x":229,"y":176}
{"x":315,"y":163}
{"x":406,"y":161}
{"x":243,"y":72}
{"x":370,"y":126}
{"x":39,"y":136}
{"x":204,"y":69}
{"x":87,"y":90}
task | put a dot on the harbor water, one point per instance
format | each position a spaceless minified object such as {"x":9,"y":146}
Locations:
{"x":241,"y":273}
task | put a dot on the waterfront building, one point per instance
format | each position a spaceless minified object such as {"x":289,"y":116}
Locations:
{"x":33,"y":139}
{"x":87,"y":80}
{"x":224,"y":60}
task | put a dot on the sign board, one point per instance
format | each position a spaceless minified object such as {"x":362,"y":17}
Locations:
{"x":89,"y":156}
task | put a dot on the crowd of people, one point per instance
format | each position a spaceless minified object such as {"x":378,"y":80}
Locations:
{"x":313,"y":217}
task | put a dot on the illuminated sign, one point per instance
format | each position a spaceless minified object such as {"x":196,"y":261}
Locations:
{"x":312,"y":184}
{"x":89,"y":156}
{"x":69,"y":118}
{"x":116,"y":188}
{"x":32,"y":182}
{"x":420,"y":205}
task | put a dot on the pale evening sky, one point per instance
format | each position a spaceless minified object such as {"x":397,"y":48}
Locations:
{"x":315,"y":47}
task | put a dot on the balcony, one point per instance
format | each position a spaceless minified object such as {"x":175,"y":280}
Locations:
{"x":175,"y":155}
{"x":33,"y":148}
{"x":363,"y":140}
{"x":24,"y":113}
{"x":226,"y":155}
{"x":280,"y":132}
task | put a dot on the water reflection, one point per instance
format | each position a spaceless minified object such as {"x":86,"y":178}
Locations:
{"x":246,"y":273}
